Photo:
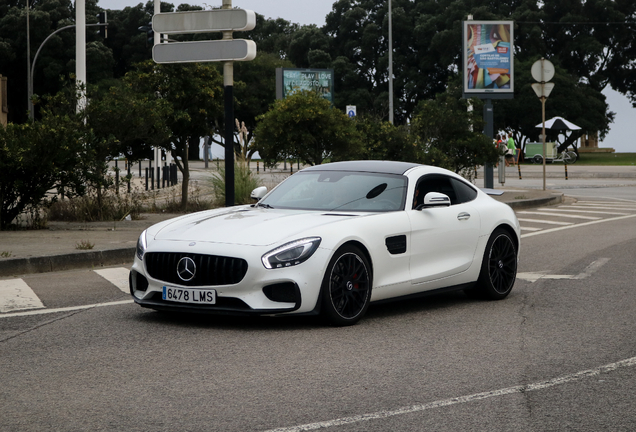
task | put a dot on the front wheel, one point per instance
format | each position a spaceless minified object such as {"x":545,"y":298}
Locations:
{"x":570,"y":157}
{"x":538,"y":159}
{"x":346,"y":287}
{"x":498,"y":268}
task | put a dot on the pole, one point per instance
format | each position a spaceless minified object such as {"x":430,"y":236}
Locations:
{"x":228,"y":83}
{"x":80,"y":51}
{"x":489,"y":132}
{"x":543,"y":114}
{"x":390,"y":63}
{"x":30,"y":84}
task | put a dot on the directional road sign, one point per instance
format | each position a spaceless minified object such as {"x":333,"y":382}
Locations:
{"x":542,"y":70}
{"x":204,"y":51}
{"x":204,"y":21}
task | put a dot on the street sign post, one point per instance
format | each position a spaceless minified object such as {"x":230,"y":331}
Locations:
{"x":542,"y":71}
{"x":226,"y":50}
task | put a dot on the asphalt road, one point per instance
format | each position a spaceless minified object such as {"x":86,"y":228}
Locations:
{"x":557,"y":354}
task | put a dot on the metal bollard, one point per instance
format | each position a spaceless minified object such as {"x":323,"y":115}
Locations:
{"x":146,"y":178}
{"x":566,"y":170}
{"x":257,"y":167}
{"x":519,"y":168}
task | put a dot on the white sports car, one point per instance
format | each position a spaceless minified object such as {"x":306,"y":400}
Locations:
{"x":329,"y":240}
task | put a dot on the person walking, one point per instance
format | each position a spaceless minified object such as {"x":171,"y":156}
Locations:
{"x":510,"y":151}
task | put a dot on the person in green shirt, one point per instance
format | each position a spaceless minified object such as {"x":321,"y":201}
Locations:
{"x":510,"y":153}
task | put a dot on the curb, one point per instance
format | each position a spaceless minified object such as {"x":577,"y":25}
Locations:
{"x":72,"y":261}
{"x":528,"y":203}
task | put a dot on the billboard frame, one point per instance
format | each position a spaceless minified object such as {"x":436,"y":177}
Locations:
{"x":468,"y":61}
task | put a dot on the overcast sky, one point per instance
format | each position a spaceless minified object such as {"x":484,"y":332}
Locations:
{"x":622,"y":136}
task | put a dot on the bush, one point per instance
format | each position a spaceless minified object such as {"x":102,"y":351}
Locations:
{"x":244,"y":183}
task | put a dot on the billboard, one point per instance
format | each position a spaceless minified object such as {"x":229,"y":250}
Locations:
{"x":289,"y":81}
{"x":488,"y":60}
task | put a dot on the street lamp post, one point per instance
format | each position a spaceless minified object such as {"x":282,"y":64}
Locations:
{"x":390,"y":62}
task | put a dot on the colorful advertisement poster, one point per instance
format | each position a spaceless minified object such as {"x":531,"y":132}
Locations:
{"x":318,"y":80}
{"x":488,"y":57}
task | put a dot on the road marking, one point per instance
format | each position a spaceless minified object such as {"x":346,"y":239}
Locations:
{"x":589,"y":270}
{"x":65,"y":309}
{"x":560,"y":215}
{"x":608,"y":207}
{"x":541,"y":385}
{"x":546,"y":222}
{"x":530,"y":229}
{"x":118,"y":276}
{"x":551,"y":230}
{"x":561,"y":209}
{"x":15,"y":294}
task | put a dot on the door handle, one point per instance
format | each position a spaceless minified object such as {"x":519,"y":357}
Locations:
{"x":463,"y":216}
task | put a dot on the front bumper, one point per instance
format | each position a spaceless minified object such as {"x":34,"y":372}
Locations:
{"x":261,"y":291}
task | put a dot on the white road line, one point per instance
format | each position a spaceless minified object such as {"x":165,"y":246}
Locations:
{"x":561,"y":209}
{"x":541,"y":385}
{"x":118,"y":276}
{"x":608,"y":207}
{"x":530,"y":229}
{"x":15,"y":294}
{"x":65,"y":309}
{"x":560,"y":215}
{"x":589,"y":270}
{"x":551,"y":230}
{"x":545,"y":222}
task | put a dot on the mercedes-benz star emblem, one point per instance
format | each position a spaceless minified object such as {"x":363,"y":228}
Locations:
{"x":186,"y":269}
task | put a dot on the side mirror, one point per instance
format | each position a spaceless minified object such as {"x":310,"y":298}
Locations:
{"x":258,"y":193}
{"x":435,"y":199}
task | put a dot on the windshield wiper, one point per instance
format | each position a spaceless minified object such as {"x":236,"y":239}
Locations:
{"x":267,"y":206}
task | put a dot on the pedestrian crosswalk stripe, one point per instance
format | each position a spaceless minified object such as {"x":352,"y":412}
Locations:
{"x":118,"y":276}
{"x":16,"y":295}
{"x":542,"y":213}
{"x":545,"y":221}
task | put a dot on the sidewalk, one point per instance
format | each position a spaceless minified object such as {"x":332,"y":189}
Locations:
{"x":56,"y":248}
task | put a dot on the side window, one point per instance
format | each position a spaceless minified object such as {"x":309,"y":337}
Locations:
{"x":433,"y":183}
{"x":463,"y":191}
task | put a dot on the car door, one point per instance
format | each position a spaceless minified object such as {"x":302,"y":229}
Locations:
{"x":443,"y":239}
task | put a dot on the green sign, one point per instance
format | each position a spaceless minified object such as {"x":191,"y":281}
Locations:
{"x":289,"y":81}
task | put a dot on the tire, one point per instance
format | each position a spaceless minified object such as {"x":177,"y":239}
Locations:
{"x":498,"y":268}
{"x":573,"y":157}
{"x":346,"y":287}
{"x":537,"y":159}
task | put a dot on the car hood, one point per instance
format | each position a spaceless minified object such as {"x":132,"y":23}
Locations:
{"x":245,"y":225}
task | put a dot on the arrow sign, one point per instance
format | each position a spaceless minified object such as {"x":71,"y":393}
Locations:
{"x":204,"y":51}
{"x":204,"y":21}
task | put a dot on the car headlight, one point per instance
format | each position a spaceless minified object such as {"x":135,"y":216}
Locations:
{"x":291,"y":254}
{"x":141,"y":245}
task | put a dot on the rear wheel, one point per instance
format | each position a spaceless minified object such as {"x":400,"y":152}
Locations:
{"x":537,"y":159}
{"x":571,"y":157}
{"x":498,"y":268}
{"x":346,"y":287}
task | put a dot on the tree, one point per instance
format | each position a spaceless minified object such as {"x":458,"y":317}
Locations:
{"x":382,"y":140}
{"x":449,"y":136}
{"x":193,"y":95}
{"x":307,"y":127}
{"x":36,"y":158}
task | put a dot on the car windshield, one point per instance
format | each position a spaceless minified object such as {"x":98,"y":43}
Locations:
{"x":339,"y":191}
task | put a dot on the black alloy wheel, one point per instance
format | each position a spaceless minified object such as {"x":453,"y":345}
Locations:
{"x":346,"y":287}
{"x":499,"y":267}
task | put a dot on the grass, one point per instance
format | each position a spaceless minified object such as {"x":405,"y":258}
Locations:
{"x":606,"y":159}
{"x":84,"y":245}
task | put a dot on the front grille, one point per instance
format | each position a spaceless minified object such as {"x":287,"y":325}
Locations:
{"x":211,"y":270}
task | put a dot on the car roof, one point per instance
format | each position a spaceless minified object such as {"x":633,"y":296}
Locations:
{"x":374,"y":166}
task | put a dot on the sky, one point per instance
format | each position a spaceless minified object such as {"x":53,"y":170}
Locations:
{"x":622,"y":135}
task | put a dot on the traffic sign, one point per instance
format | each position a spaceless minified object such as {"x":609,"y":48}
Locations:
{"x":543,"y":89}
{"x":542,"y":70}
{"x":204,"y":51}
{"x":204,"y":21}
{"x":351,"y":110}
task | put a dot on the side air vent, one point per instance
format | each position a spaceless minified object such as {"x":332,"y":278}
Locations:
{"x":396,"y":245}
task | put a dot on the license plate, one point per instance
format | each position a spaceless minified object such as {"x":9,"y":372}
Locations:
{"x":188,"y":295}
